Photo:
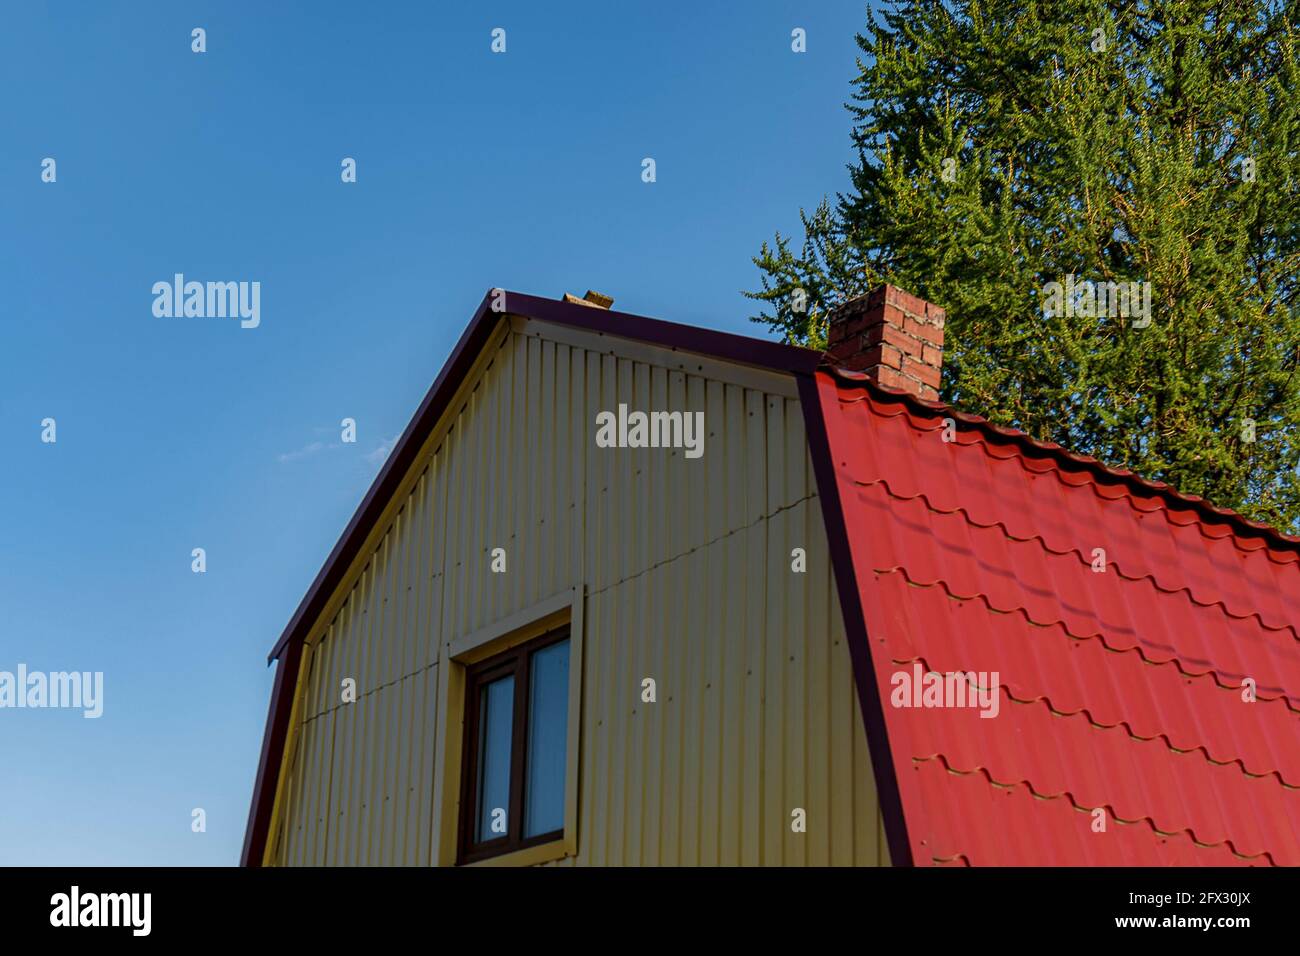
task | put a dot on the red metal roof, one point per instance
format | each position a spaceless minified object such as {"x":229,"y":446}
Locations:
{"x":1119,"y":689}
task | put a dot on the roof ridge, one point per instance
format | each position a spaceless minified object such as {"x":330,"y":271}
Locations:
{"x":1206,"y":511}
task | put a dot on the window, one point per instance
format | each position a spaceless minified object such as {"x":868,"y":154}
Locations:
{"x":516,"y":737}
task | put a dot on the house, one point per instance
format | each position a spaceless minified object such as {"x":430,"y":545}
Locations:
{"x":858,"y":628}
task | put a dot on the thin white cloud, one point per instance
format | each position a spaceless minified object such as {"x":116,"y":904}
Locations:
{"x":305,"y":452}
{"x":380,"y":454}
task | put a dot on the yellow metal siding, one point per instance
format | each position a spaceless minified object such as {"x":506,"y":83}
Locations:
{"x":686,"y":568}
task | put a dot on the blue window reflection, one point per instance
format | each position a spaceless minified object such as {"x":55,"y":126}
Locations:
{"x":496,"y":707}
{"x":548,"y":711}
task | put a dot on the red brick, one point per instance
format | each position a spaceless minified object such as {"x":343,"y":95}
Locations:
{"x":930,"y":333}
{"x":884,"y":355}
{"x":922,"y":372}
{"x":887,"y":376}
{"x":893,"y":336}
{"x":931,"y":356}
{"x":905,"y":301}
{"x":859,"y":324}
{"x":842,"y":352}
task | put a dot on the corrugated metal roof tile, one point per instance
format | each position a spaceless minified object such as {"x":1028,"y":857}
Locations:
{"x":1120,"y":689}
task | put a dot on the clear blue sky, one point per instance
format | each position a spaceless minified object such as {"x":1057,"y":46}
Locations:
{"x":475,"y":170}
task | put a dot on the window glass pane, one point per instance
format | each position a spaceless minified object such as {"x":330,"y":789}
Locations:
{"x":495,"y":723}
{"x":548,"y":712}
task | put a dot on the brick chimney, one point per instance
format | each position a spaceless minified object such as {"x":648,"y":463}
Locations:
{"x":891,"y":335}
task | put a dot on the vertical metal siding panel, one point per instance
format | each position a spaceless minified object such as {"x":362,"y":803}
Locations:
{"x":349,"y":746}
{"x":593,"y":810}
{"x":437,"y":530}
{"x":614,"y":713}
{"x":819,"y":729}
{"x":491,"y":481}
{"x":379,"y":719}
{"x":399,"y":776}
{"x":343,"y":665}
{"x":654,"y":585}
{"x":326,"y":649}
{"x":796,"y":635}
{"x":799,"y":785}
{"x":428,"y":725}
{"x":574,"y":490}
{"x":396,"y":642}
{"x":775,"y":585}
{"x":625,"y":615}
{"x":754,"y":828}
{"x":714,"y":495}
{"x":692,"y":654}
{"x":355,"y":713}
{"x":607,"y":568}
{"x":368,"y":715}
{"x":661,"y":777}
{"x":475,"y":567}
{"x":305,"y":811}
{"x":471,"y":561}
{"x":528,"y":529}
{"x":514,"y":438}
{"x":414,"y":665}
{"x":317,"y":775}
{"x":399,"y":730}
{"x":301,"y":834}
{"x":336,"y":647}
{"x":543,"y":572}
{"x":623,"y":491}
{"x":454,"y":546}
{"x":684,"y":640}
{"x":633,"y":598}
{"x":458,"y":552}
{"x":737,"y":675}
{"x":559,"y":570}
{"x":316,"y":823}
{"x":294,"y":816}
{"x":480,"y":437}
{"x":395,"y":773}
{"x":776,"y":813}
{"x":416,"y":545}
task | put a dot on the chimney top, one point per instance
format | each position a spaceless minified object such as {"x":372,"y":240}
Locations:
{"x":594,"y":299}
{"x":891,"y":335}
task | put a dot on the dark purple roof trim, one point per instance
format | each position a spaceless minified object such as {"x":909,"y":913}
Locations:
{"x":855,"y":624}
{"x":268,"y":766}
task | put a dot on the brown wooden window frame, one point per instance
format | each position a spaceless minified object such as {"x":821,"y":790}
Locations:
{"x":515,"y":662}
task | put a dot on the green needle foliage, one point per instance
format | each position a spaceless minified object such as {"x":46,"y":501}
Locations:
{"x":1005,"y":145}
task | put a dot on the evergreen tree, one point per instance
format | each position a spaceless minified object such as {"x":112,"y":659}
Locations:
{"x":1006,"y":146}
